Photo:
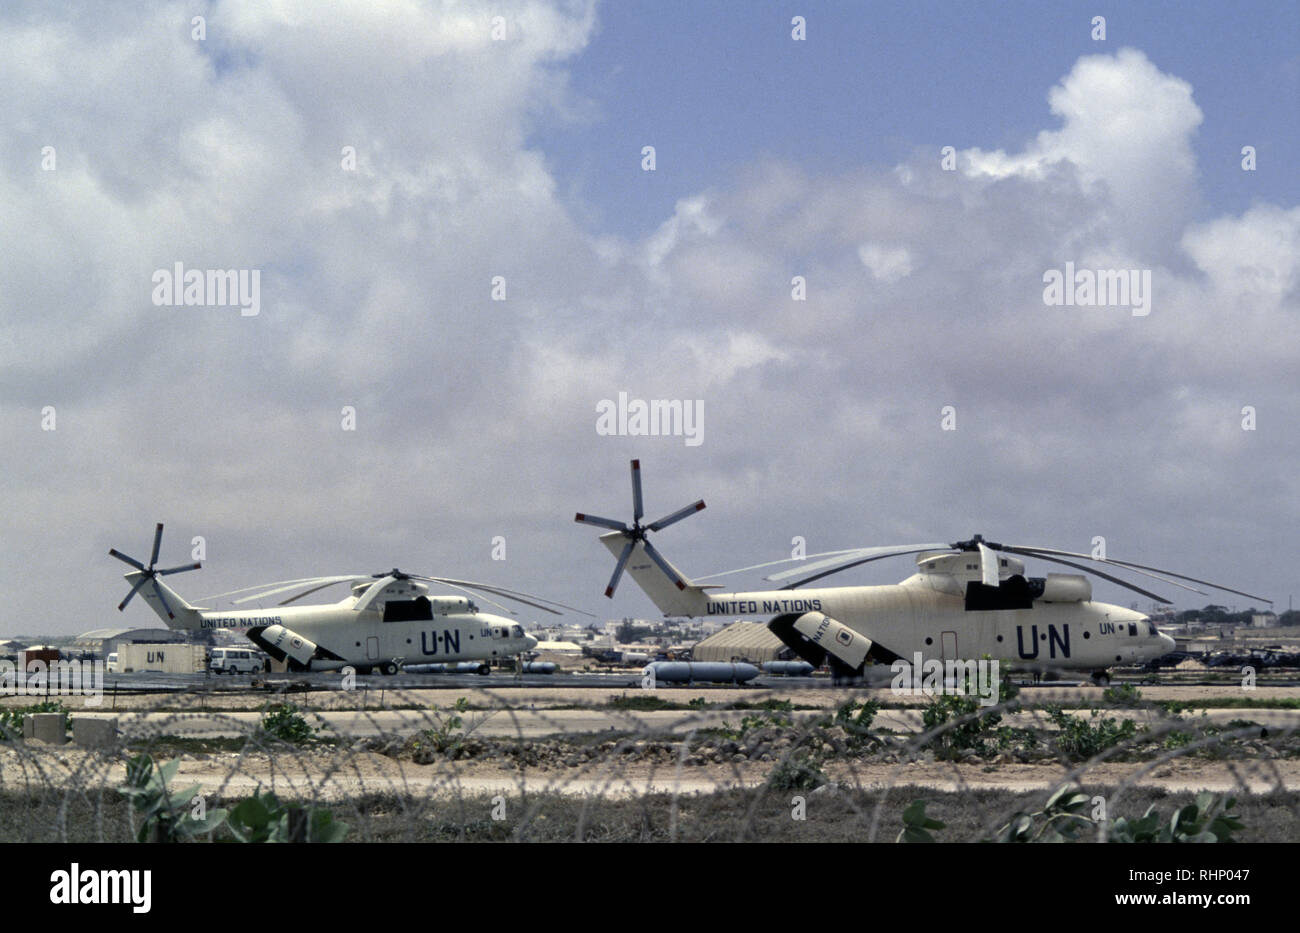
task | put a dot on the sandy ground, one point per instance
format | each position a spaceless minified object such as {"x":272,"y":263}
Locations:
{"x":319,"y":775}
{"x":549,"y":698}
{"x":531,"y":712}
{"x":534,"y":724}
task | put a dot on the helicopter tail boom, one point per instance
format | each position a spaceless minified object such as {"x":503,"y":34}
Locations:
{"x":674,"y":595}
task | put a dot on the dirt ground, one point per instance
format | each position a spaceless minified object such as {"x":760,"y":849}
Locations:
{"x":550,"y":698}
{"x":341,"y":773}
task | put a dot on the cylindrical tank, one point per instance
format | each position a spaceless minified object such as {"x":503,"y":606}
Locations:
{"x":788,"y":668}
{"x":686,"y":672}
{"x":462,"y":667}
{"x":539,"y":667}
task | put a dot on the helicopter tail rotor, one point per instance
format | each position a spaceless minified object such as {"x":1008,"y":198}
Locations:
{"x":148,"y":576}
{"x":663,"y":583}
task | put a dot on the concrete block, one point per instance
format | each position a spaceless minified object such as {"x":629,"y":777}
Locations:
{"x":48,"y":727}
{"x":94,"y":732}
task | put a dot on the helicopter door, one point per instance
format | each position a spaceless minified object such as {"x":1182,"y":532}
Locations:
{"x":948,"y":645}
{"x":372,"y":648}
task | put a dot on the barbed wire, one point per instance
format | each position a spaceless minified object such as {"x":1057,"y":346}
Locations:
{"x":655,"y":764}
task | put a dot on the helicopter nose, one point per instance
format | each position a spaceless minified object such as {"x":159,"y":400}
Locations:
{"x":1167,"y":644}
{"x":530,"y":641}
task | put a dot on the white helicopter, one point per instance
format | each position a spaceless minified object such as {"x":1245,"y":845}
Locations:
{"x":966,"y":601}
{"x":388,"y":619}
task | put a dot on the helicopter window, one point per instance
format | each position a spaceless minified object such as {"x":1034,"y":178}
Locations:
{"x":1132,"y":629}
{"x":516,"y":631}
{"x":1014,"y":593}
{"x":412,"y":610}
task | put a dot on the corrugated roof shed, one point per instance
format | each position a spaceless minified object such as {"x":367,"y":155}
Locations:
{"x":743,"y":641}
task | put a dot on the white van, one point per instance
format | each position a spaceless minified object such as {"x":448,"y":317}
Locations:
{"x":235,"y":661}
{"x":112,"y":667}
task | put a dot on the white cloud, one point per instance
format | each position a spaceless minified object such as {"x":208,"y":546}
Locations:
{"x":1127,"y":127}
{"x":888,"y":264}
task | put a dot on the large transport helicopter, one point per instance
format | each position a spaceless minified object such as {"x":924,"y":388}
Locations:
{"x":967,"y":600}
{"x":387,"y":620}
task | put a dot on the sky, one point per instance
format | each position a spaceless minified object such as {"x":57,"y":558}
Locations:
{"x":859,"y":319}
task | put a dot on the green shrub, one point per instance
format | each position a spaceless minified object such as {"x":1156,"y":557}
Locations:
{"x":284,"y":722}
{"x":165,"y":816}
{"x":1207,"y":820}
{"x":264,"y":818}
{"x":443,"y":737}
{"x":800,"y":770}
{"x":916,"y":825}
{"x":1080,"y":739}
{"x":1122,"y":695}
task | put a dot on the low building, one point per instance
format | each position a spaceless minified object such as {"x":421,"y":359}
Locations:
{"x":104,"y":641}
{"x":742,"y":641}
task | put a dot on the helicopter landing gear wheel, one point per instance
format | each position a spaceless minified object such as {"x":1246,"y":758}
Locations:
{"x":1101,"y":678}
{"x":388,"y":668}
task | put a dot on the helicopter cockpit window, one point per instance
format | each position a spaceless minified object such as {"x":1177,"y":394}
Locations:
{"x":517,"y":631}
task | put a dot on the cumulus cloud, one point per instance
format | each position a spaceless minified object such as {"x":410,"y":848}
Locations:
{"x":888,"y":264}
{"x":1127,"y":127}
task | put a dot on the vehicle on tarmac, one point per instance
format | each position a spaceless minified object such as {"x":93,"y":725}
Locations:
{"x":236,"y":661}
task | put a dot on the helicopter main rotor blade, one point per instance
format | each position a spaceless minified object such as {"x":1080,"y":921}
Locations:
{"x":988,"y":566}
{"x":1094,"y":572}
{"x":638,"y":511}
{"x":485,"y":599}
{"x":773,"y":563}
{"x":856,"y":563}
{"x":602,"y":522}
{"x":1103,"y":560}
{"x":675,"y":517}
{"x":1181,"y":576}
{"x":618,"y":568}
{"x":843,"y":556}
{"x":372,"y":592}
{"x":304,"y":593}
{"x":293,"y":585}
{"x":260,"y":586}
{"x":180,"y":569}
{"x":506,"y":593}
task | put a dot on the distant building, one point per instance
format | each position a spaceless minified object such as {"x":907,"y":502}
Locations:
{"x":1263,"y":619}
{"x":104,"y":641}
